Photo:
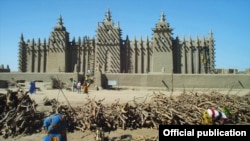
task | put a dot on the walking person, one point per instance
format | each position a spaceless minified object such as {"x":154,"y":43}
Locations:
{"x":74,"y":86}
{"x":85,"y":87}
{"x":87,"y":80}
{"x":32,"y":88}
{"x":79,"y":87}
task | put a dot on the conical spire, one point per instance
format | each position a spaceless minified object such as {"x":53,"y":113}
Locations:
{"x":60,"y":22}
{"x":21,"y":38}
{"x":39,"y":42}
{"x":163,"y":24}
{"x":108,"y":16}
{"x":59,"y":25}
{"x":44,"y":41}
{"x":73,"y":40}
{"x":127,"y":37}
{"x":183,"y":39}
{"x":162,"y":17}
{"x":197,"y":41}
{"x":211,"y":33}
{"x":141,"y":41}
{"x":197,"y":38}
{"x":190,"y":41}
{"x":33,"y":42}
{"x":203,"y":41}
{"x":84,"y":40}
{"x":79,"y":40}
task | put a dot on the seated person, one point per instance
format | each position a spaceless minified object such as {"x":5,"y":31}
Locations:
{"x":212,"y":116}
{"x":56,"y":127}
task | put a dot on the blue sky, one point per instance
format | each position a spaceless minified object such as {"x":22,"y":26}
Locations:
{"x":228,"y":19}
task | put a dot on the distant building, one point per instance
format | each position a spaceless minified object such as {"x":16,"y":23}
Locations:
{"x":3,"y":69}
{"x":247,"y":71}
{"x":226,"y":71}
{"x":111,"y":54}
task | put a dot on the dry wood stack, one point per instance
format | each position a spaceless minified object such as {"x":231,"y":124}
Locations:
{"x":185,"y":109}
{"x":18,"y":114}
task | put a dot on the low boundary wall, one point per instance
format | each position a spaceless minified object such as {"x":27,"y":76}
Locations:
{"x":163,"y":81}
{"x":169,"y":81}
{"x":43,"y":80}
{"x":46,"y":77}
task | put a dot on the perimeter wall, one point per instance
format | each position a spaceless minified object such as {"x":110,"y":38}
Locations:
{"x":168,"y":81}
{"x":159,"y":80}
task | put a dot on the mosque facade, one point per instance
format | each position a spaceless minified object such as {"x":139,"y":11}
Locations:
{"x":109,"y":53}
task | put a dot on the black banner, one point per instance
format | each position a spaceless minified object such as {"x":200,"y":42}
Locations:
{"x":202,"y":132}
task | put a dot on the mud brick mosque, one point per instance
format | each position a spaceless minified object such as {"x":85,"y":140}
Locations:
{"x":108,"y":52}
{"x":161,"y":62}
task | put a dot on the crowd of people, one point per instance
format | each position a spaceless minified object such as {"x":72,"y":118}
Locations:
{"x":80,"y":87}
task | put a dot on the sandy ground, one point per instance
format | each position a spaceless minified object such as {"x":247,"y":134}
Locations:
{"x":109,"y":96}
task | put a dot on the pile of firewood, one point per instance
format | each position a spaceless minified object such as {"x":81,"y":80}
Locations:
{"x":160,"y":109}
{"x":18,"y":114}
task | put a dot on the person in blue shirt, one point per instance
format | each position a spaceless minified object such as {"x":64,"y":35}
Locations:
{"x":74,"y":85}
{"x":32,"y":88}
{"x":55,"y":127}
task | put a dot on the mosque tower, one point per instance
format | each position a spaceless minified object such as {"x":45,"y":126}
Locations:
{"x":162,"y":57}
{"x":57,"y":51}
{"x":108,"y":46}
